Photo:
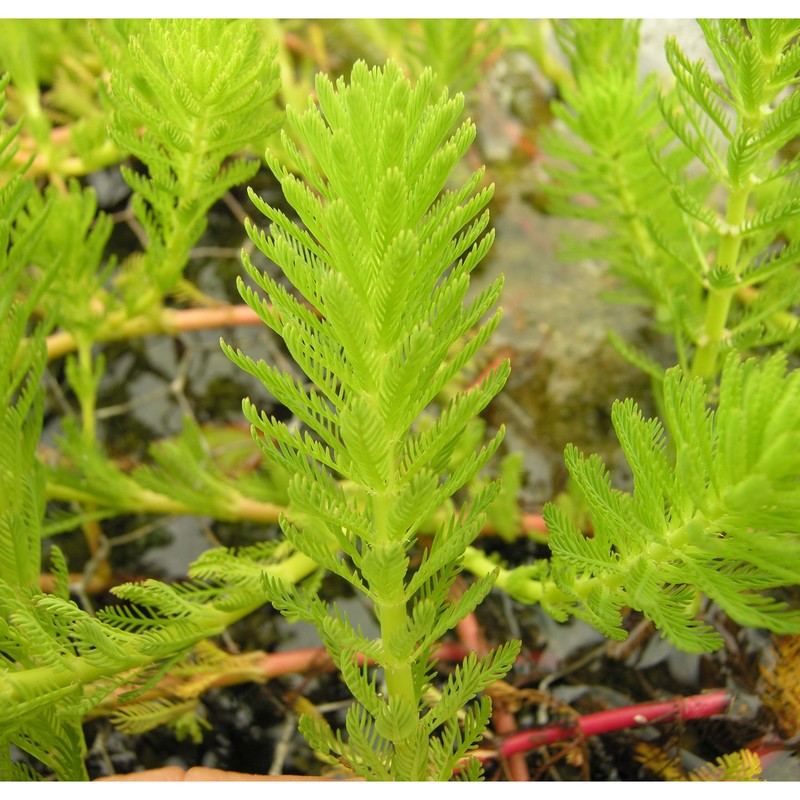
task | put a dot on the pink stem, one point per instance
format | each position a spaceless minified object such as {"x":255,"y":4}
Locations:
{"x":194,"y":319}
{"x":305,"y":659}
{"x":694,"y":707}
{"x":167,"y":321}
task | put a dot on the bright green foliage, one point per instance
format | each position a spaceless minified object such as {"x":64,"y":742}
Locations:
{"x":187,"y":95}
{"x":183,"y":478}
{"x":24,"y":55}
{"x":21,"y":482}
{"x":383,"y":258}
{"x":50,"y":737}
{"x":56,"y":660}
{"x":602,"y":170}
{"x":455,"y":49}
{"x":722,"y":520}
{"x":57,"y":54}
{"x":22,"y":58}
{"x":736,"y":132}
{"x":715,"y":506}
{"x":633,"y":150}
{"x":376,"y":312}
{"x":594,"y":49}
{"x":74,"y":241}
{"x":75,"y":238}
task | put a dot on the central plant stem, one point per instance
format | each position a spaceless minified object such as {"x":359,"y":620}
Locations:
{"x":399,"y":679}
{"x":392,"y":615}
{"x":719,"y":300}
{"x":391,"y":611}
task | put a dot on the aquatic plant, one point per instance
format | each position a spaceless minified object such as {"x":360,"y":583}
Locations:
{"x":382,"y":227}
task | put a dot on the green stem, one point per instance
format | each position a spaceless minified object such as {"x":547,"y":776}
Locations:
{"x":399,"y":678}
{"x":390,"y":608}
{"x":512,"y":581}
{"x":177,"y":241}
{"x":392,"y":615}
{"x":719,"y":300}
{"x":144,"y":501}
{"x":88,"y":395}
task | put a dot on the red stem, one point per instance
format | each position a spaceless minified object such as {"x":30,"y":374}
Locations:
{"x":694,"y":707}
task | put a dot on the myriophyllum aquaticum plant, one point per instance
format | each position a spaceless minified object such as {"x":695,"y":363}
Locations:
{"x":59,"y":661}
{"x":697,"y":208}
{"x":380,"y":322}
{"x":692,"y":184}
{"x":374,"y":306}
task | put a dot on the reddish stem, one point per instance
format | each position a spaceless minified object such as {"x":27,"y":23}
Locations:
{"x":262,"y":668}
{"x":694,"y":707}
{"x":229,"y":316}
{"x":167,"y":321}
{"x":534,"y":522}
